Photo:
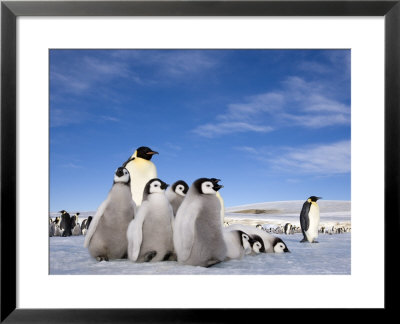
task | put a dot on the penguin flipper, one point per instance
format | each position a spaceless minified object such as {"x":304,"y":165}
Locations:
{"x":127,"y":161}
{"x":188,"y":225}
{"x":304,"y":220}
{"x":135,"y":233}
{"x":95,"y":221}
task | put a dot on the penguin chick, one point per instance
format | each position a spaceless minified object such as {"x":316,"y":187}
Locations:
{"x":198,"y":236}
{"x":237,"y":243}
{"x":106,"y":237}
{"x":270,"y":241}
{"x":77,"y":230}
{"x":176,"y":193}
{"x":309,"y":220}
{"x":150,"y":234}
{"x":142,"y":171}
{"x":257,"y":244}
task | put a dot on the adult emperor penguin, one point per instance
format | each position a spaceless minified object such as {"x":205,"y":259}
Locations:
{"x":176,"y":193}
{"x":272,"y":244}
{"x":106,"y":237}
{"x":150,"y":234}
{"x":65,"y":224}
{"x":238,"y":243}
{"x":309,"y":220}
{"x":142,"y":170}
{"x":198,"y":236}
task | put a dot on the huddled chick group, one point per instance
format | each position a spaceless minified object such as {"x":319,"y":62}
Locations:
{"x":177,"y":224}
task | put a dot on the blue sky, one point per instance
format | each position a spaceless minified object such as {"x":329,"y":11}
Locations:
{"x":271,"y":124}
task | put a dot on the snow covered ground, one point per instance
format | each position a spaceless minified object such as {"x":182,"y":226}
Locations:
{"x":332,"y":255}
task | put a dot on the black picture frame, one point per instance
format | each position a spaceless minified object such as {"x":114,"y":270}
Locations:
{"x":10,"y":10}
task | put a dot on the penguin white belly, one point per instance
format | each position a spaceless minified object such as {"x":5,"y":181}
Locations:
{"x":141,"y":172}
{"x":313,"y":216}
{"x":222,"y":207}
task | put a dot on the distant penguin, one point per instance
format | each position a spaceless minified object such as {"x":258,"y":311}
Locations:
{"x":198,"y":236}
{"x":150,"y":234}
{"x":237,"y":243}
{"x":65,"y":224}
{"x":89,"y":220}
{"x":52,"y":228}
{"x":142,"y":170}
{"x":288,"y":228}
{"x":272,"y":244}
{"x":77,"y":230}
{"x":176,"y":193}
{"x":74,"y":220}
{"x":309,"y":220}
{"x":106,"y":237}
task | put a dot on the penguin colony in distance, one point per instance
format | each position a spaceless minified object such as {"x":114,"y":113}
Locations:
{"x":142,"y":171}
{"x":106,"y":237}
{"x":150,"y":235}
{"x":309,"y":220}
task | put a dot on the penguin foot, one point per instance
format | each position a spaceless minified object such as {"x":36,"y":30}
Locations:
{"x":101,"y":258}
{"x":212,"y":262}
{"x":169,"y":256}
{"x":303,"y":240}
{"x":149,"y":256}
{"x":315,"y":242}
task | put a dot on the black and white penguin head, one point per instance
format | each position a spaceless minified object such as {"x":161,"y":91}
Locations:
{"x":245,"y":240}
{"x":280,"y":246}
{"x":155,"y":186}
{"x":257,"y":244}
{"x":122,"y":176}
{"x":63,"y":212}
{"x":180,"y":187}
{"x":313,"y":199}
{"x":207,"y":186}
{"x":145,"y":152}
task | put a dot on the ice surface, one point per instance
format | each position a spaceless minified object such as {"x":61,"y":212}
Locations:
{"x":332,"y":255}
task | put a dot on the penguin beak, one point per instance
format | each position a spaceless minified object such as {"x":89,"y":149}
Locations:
{"x":286,"y":250}
{"x":216,"y":186}
{"x":164,"y":185}
{"x":152,"y":152}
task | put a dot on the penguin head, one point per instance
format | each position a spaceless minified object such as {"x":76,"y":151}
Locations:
{"x":122,"y":176}
{"x":257,"y":244}
{"x":207,"y":186}
{"x":280,"y":246}
{"x":155,"y":186}
{"x":145,"y":152}
{"x":180,"y":187}
{"x":245,"y":240}
{"x":313,"y":199}
{"x":62,"y":212}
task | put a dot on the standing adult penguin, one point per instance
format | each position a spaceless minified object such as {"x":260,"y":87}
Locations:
{"x":65,"y":224}
{"x":309,"y":220}
{"x":176,"y":193}
{"x":52,"y":227}
{"x":198,"y":236}
{"x":106,"y":237}
{"x":150,"y":234}
{"x":142,"y":170}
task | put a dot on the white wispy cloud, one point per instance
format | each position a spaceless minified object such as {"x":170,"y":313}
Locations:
{"x":224,"y":128}
{"x":317,"y":159}
{"x":298,"y":103}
